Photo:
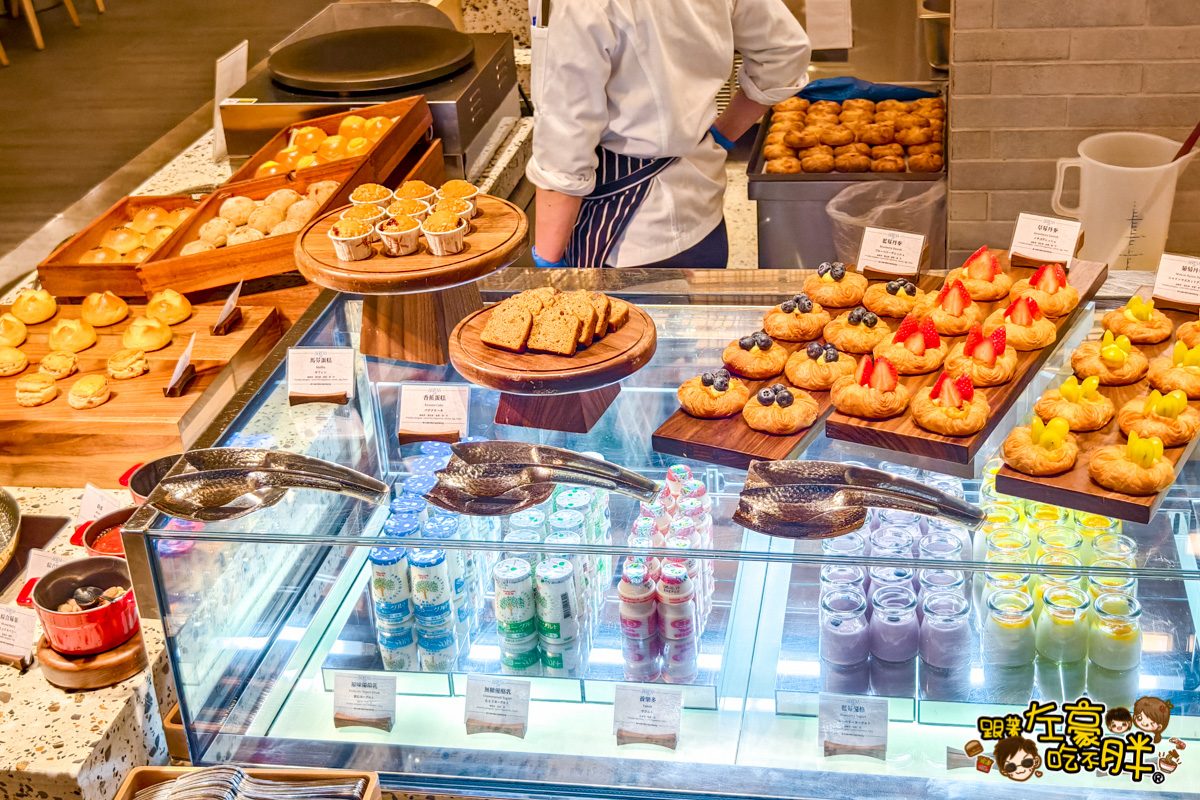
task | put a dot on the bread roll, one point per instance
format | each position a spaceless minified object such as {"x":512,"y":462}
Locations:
{"x":282,"y":198}
{"x":199,"y":246}
{"x":237,"y":210}
{"x":265,"y":218}
{"x":245,"y":235}
{"x":216,"y":231}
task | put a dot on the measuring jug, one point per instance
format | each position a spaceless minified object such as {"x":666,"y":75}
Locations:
{"x":1126,"y":190}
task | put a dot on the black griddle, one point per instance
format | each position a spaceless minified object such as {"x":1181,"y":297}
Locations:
{"x":364,"y":60}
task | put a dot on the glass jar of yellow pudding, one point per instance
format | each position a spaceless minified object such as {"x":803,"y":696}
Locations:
{"x":1004,"y":574}
{"x":1115,"y":637}
{"x":1107,"y":576}
{"x":1074,"y":577}
{"x":1044,"y":515}
{"x":996,"y":515}
{"x":989,"y":495}
{"x":1008,"y":634}
{"x":1117,"y":547}
{"x":1090,"y":526}
{"x":1059,"y":538}
{"x":1008,"y":542}
{"x":1062,"y":629}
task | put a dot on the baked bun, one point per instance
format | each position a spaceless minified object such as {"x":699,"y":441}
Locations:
{"x":265,"y":218}
{"x":825,"y":107}
{"x":146,"y":334}
{"x":878,"y":133}
{"x":805,"y":137}
{"x":103,"y":309}
{"x":892,"y":105}
{"x":126,"y":364}
{"x":216,"y":231}
{"x":287,"y":226}
{"x":149,"y":217}
{"x":237,"y":210}
{"x":849,"y":149}
{"x":888,"y":164}
{"x":321,"y":191}
{"x":852,"y":162}
{"x":301,"y":211}
{"x":156,"y":236}
{"x":168,"y":306}
{"x":12,"y":361}
{"x":822,"y":120}
{"x":783,"y":166}
{"x":836,"y":136}
{"x":121,"y":239}
{"x":33,"y":306}
{"x":792,"y":104}
{"x":35,"y":389}
{"x":137,"y":256}
{"x":887,"y":150}
{"x":245,"y":235}
{"x":88,"y":392}
{"x":926,"y":162}
{"x":72,"y":334}
{"x":283,"y":199}
{"x":100,"y":255}
{"x":858,"y":104}
{"x":778,"y":151}
{"x":12,"y":331}
{"x":59,"y":364}
{"x":910,"y":136}
{"x":178,"y":216}
{"x":817,"y":163}
{"x":198,"y":246}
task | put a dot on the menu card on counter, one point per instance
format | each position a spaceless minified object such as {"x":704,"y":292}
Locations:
{"x":853,"y":725}
{"x":365,"y":700}
{"x":891,"y":252}
{"x":320,"y":375}
{"x":497,"y":705}
{"x":433,"y":411}
{"x":1178,"y":279}
{"x":647,"y":714}
{"x":40,"y":562}
{"x":95,"y":503}
{"x":18,"y":628}
{"x":1044,"y":240}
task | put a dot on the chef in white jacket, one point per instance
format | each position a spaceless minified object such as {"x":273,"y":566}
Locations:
{"x":628,"y":148}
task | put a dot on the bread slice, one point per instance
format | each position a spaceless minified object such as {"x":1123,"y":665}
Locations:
{"x":579,"y":304}
{"x":508,"y":328}
{"x":555,"y":330}
{"x":603,"y":306}
{"x":545,"y":294}
{"x":530,"y":301}
{"x":618,"y":316}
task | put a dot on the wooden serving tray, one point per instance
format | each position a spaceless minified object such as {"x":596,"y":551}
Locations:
{"x":901,"y":434}
{"x":1075,"y":489}
{"x":144,"y":777}
{"x":56,"y":445}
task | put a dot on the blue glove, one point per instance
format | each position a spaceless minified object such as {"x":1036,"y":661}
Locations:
{"x":544,"y":264}
{"x":845,"y":87}
{"x":720,"y":139}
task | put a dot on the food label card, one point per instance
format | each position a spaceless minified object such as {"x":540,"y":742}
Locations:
{"x":1178,"y":279}
{"x":40,"y":562}
{"x":497,"y":705}
{"x":853,"y":725}
{"x":647,"y":714}
{"x":18,"y":627}
{"x":320,"y":374}
{"x":1045,"y":239}
{"x":95,"y":503}
{"x":434,"y":408}
{"x":891,"y":252}
{"x":367,"y":700}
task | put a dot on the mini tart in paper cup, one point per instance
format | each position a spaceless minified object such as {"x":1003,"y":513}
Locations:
{"x":351,"y":239}
{"x":415,"y":190}
{"x":371,"y":193}
{"x":417,"y":209}
{"x":460,"y":208}
{"x":445,"y":233}
{"x":460,"y":190}
{"x":368,"y":213}
{"x":401,"y":236}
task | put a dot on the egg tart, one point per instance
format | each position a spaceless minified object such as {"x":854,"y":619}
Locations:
{"x":1049,"y":287}
{"x":915,"y":348}
{"x":1141,"y":322}
{"x":1080,"y":404}
{"x":780,"y":410}
{"x":1169,"y":417}
{"x":755,"y":356}
{"x":951,"y":407}
{"x":1041,"y":448}
{"x":796,"y":320}
{"x":817,"y":367}
{"x":835,"y":286}
{"x":952,"y":310}
{"x":895,"y":299}
{"x":1114,"y":361}
{"x":1025,"y":326}
{"x":856,"y":331}
{"x":1136,"y":467}
{"x":713,"y":395}
{"x":982,"y":277}
{"x":1180,"y":371}
{"x":988,"y":360}
{"x":873,"y":391}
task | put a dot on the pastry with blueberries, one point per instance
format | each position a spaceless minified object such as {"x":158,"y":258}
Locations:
{"x":780,"y":410}
{"x":872,"y":391}
{"x":817,"y":366}
{"x":982,"y":276}
{"x":857,"y":331}
{"x":835,"y":286}
{"x":755,"y":356}
{"x":798,"y":319}
{"x":895,"y":299}
{"x":916,"y":347}
{"x":713,"y":395}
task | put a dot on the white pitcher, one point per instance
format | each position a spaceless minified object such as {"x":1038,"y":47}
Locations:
{"x":1126,"y":190}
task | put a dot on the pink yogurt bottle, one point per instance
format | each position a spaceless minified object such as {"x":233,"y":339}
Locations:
{"x":676,"y":603}
{"x":639,"y":602}
{"x":677,"y":475}
{"x":697,"y":489}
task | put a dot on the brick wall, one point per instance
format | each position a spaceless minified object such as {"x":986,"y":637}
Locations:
{"x":1030,"y":79}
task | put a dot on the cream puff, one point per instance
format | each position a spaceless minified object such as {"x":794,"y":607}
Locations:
{"x":35,"y":389}
{"x":817,"y":367}
{"x":780,"y":410}
{"x":1041,"y":448}
{"x":1180,"y":371}
{"x":952,"y":310}
{"x":168,"y":306}
{"x":835,"y":286}
{"x":982,"y":276}
{"x":12,"y":331}
{"x":796,"y":320}
{"x":59,"y":364}
{"x":89,"y":391}
{"x":755,"y":356}
{"x":895,"y":299}
{"x":1169,"y":417}
{"x":873,"y":391}
{"x":125,"y":364}
{"x":33,"y":306}
{"x":1080,"y":404}
{"x":951,"y":407}
{"x":1049,"y":287}
{"x":915,"y":348}
{"x":1115,"y":362}
{"x":146,"y":334}
{"x":1141,"y":322}
{"x":1137,"y":467}
{"x":713,"y":395}
{"x":1025,"y":326}
{"x":856,"y":331}
{"x":72,"y":334}
{"x":988,"y":360}
{"x":103,"y":309}
{"x":12,"y":361}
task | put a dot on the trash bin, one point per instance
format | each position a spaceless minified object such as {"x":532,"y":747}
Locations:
{"x":898,"y":205}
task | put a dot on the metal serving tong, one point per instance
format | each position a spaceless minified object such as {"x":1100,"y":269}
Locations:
{"x":820,"y":499}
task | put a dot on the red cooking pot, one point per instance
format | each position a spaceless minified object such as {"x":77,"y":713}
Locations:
{"x":102,"y":537}
{"x":97,"y":629}
{"x":140,"y":479}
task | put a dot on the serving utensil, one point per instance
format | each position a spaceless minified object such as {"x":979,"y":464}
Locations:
{"x":455,"y":500}
{"x":224,"y":494}
{"x":232,"y":783}
{"x":493,"y":479}
{"x":502,"y":452}
{"x":215,"y":458}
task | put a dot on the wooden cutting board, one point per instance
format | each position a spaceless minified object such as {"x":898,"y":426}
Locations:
{"x":56,"y":445}
{"x":1075,"y":489}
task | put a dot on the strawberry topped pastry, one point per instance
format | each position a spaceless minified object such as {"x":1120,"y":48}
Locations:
{"x":952,"y":309}
{"x":1145,"y":324}
{"x":1026,"y":327}
{"x":989,"y":360}
{"x":1049,"y":287}
{"x":951,"y":407}
{"x":915,"y":348}
{"x":873,"y":391}
{"x":983,"y":277}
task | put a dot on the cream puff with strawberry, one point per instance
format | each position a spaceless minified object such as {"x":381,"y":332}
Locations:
{"x":983,"y":277}
{"x":1080,"y":404}
{"x":1025,"y":326}
{"x":988,"y":360}
{"x":951,"y":407}
{"x":915,"y":348}
{"x":1114,"y":360}
{"x":872,"y":392}
{"x":952,"y":310}
{"x":1142,"y":323}
{"x":1049,"y":287}
{"x":1041,"y":448}
{"x":1180,"y":371}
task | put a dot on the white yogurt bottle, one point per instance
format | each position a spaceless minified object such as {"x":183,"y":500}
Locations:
{"x":581,"y":567}
{"x":645,"y":527}
{"x":397,"y":646}
{"x":390,"y":588}
{"x":513,"y":542}
{"x":676,"y":606}
{"x":530,"y":520}
{"x":432,"y":589}
{"x":639,"y":602}
{"x":437,"y":648}
{"x":557,"y":604}
{"x":643,"y":658}
{"x":513,"y":604}
{"x":680,"y":662}
{"x":521,"y":657}
{"x":657,"y":512}
{"x":691,"y":508}
{"x":560,"y":659}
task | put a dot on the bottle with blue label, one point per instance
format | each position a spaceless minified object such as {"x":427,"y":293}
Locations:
{"x":400,"y":526}
{"x":397,"y":646}
{"x":390,"y":588}
{"x":437,"y":648}
{"x":432,"y":588}
{"x":419,"y":485}
{"x":447,"y":528}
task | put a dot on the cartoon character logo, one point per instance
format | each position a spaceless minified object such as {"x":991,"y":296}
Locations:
{"x":1017,"y":758}
{"x":1151,"y":715}
{"x":1118,"y":720}
{"x":1169,"y":762}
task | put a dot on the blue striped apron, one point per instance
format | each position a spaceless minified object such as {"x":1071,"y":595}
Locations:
{"x":622,"y":183}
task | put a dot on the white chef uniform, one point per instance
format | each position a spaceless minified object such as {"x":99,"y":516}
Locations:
{"x":640,"y":78}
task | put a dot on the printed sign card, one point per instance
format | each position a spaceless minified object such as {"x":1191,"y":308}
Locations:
{"x":433,"y":411}
{"x":1178,"y":280}
{"x":497,"y":705}
{"x":365,"y":700}
{"x":853,"y":725}
{"x":320,"y":375}
{"x":1044,"y":240}
{"x":647,"y":714}
{"x":891,"y":252}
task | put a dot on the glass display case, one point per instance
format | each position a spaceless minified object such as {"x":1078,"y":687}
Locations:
{"x":934,"y":638}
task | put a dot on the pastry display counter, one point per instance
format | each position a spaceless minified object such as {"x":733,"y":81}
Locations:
{"x":264,"y":613}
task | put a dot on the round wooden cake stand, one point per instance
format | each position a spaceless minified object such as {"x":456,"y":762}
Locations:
{"x":413,"y":302}
{"x":92,"y":672}
{"x":561,"y":393}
